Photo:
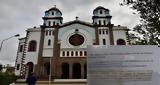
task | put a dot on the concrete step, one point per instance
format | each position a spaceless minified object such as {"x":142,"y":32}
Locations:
{"x":56,"y":82}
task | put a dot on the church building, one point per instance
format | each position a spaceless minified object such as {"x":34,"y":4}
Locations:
{"x":59,"y":48}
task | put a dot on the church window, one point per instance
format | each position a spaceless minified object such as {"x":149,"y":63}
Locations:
{"x":63,"y":54}
{"x":76,"y":53}
{"x":99,"y":31}
{"x":18,"y":65}
{"x":103,"y":31}
{"x":76,"y":30}
{"x":50,"y":32}
{"x":49,"y":42}
{"x":49,"y":23}
{"x":61,"y":21}
{"x":46,"y":32}
{"x":104,"y":41}
{"x":53,"y":32}
{"x":99,"y":22}
{"x":100,"y":11}
{"x":52,"y":13}
{"x":85,"y":53}
{"x":67,"y":53}
{"x":104,"y":22}
{"x":21,"y":48}
{"x":72,"y":53}
{"x":80,"y":53}
{"x":32,"y":46}
{"x":76,"y":40}
{"x":53,"y":23}
{"x":106,"y":31}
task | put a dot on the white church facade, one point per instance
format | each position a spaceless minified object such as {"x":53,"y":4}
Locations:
{"x":59,"y":48}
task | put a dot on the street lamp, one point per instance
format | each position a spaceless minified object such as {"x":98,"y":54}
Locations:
{"x":17,"y":35}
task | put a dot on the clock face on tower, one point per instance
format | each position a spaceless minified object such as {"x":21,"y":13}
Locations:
{"x":76,"y":40}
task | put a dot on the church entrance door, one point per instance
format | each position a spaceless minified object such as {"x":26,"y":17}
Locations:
{"x":65,"y":71}
{"x":76,"y":71}
{"x":30,"y":67}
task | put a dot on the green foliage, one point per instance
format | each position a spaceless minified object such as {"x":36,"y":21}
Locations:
{"x":6,"y":79}
{"x":148,"y":30}
{"x":1,"y":67}
{"x":8,"y":76}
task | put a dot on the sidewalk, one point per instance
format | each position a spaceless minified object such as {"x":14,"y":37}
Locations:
{"x":57,"y":82}
{"x":53,"y":84}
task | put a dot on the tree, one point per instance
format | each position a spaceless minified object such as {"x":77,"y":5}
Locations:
{"x":8,"y":76}
{"x":148,"y":30}
{"x":1,"y":67}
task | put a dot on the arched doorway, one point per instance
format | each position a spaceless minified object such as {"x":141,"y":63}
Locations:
{"x":121,"y":42}
{"x":85,"y":71}
{"x":76,"y":71}
{"x":30,"y":66}
{"x":65,"y":71}
{"x":47,"y":68}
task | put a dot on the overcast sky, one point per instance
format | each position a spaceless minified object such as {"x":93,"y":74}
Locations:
{"x":18,"y":15}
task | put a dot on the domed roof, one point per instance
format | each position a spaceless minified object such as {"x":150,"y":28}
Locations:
{"x":54,"y":9}
{"x":100,"y":8}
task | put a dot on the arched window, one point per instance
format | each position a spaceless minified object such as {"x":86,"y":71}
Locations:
{"x":49,"y":42}
{"x":103,"y":31}
{"x":104,"y":22}
{"x":63,"y":54}
{"x":52,"y":13}
{"x":53,"y":32}
{"x":106,"y":31}
{"x":99,"y":22}
{"x":32,"y":46}
{"x":85,"y":53}
{"x":18,"y":65}
{"x":21,"y":48}
{"x":49,"y":23}
{"x":100,"y":11}
{"x":76,"y":30}
{"x":61,"y":21}
{"x":67,"y":53}
{"x":50,"y":32}
{"x":104,"y":41}
{"x":99,"y":31}
{"x":81,"y":53}
{"x":72,"y":53}
{"x":46,"y":32}
{"x":76,"y":53}
{"x":53,"y":23}
{"x":121,"y":42}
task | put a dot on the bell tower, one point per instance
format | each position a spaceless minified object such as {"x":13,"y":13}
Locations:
{"x":53,"y":17}
{"x":101,"y":16}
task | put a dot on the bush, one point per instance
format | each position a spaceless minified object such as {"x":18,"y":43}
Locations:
{"x":6,"y":79}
